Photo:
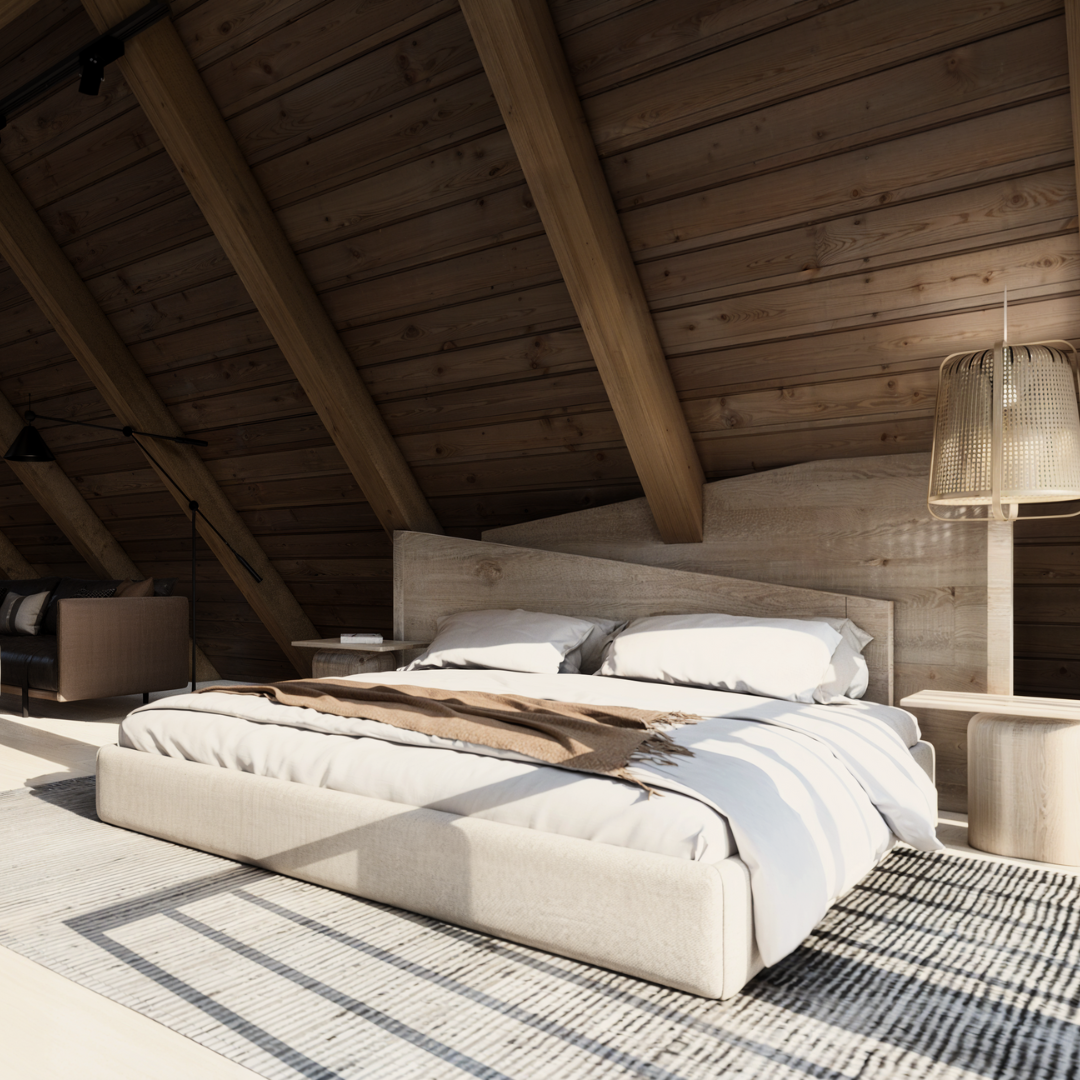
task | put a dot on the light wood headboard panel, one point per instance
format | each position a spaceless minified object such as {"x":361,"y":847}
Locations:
{"x":856,"y":525}
{"x":438,"y":575}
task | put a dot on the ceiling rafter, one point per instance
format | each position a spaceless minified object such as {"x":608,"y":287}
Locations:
{"x":1072,"y":38}
{"x":12,"y":563}
{"x":76,"y":519}
{"x":525,"y":63}
{"x":162,"y":75}
{"x":10,"y":10}
{"x":68,"y":304}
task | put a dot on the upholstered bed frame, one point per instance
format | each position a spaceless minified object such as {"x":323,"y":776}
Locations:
{"x":681,"y":923}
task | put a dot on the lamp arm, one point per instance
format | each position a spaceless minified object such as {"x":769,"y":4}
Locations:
{"x":194,"y":507}
{"x":30,"y":416}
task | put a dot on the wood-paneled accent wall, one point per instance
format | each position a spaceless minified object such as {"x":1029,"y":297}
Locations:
{"x":860,"y":525}
{"x":1046,"y":569}
{"x":823,"y":198}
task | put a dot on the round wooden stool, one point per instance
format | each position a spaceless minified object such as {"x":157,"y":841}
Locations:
{"x":1024,"y":787}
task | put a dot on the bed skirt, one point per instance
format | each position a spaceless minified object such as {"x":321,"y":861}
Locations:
{"x":672,"y":921}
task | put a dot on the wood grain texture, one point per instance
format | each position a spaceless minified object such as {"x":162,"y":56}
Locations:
{"x":860,"y":525}
{"x":10,"y":10}
{"x":1006,"y":69}
{"x":771,"y":157}
{"x":1014,"y":705}
{"x":13,"y":563}
{"x":999,"y":607}
{"x":186,"y":118}
{"x":1072,"y":38}
{"x":837,"y":45}
{"x":523,"y":58}
{"x":1023,"y":798}
{"x":436,"y":576}
{"x":60,"y":293}
{"x":336,"y":664}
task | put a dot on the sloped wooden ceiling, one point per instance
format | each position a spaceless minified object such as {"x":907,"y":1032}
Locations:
{"x":822,"y":198}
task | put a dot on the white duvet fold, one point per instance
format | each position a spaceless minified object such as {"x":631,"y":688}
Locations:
{"x":814,"y":794}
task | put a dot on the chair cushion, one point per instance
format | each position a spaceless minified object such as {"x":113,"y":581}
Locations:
{"x":32,"y":658}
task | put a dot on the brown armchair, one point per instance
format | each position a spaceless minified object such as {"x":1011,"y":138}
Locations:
{"x":103,"y":647}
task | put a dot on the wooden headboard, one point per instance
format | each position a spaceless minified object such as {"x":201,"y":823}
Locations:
{"x":438,"y":575}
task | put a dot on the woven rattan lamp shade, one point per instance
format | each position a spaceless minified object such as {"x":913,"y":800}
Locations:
{"x":1019,"y":446}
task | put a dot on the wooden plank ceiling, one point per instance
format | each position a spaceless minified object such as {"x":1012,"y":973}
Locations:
{"x":822,"y":198}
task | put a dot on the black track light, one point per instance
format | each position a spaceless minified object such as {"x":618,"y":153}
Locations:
{"x":93,"y":60}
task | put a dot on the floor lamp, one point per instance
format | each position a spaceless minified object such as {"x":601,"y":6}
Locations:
{"x":1006,"y":433}
{"x":30,"y":447}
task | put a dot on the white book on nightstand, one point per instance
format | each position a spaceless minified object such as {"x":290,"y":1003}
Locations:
{"x":361,"y":639}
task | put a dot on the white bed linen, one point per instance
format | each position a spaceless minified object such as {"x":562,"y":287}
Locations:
{"x":813,"y":793}
{"x":520,"y":793}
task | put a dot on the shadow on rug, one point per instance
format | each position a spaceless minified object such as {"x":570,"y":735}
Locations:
{"x":935,"y":966}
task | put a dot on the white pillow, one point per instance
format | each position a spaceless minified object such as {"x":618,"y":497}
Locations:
{"x":588,"y":656}
{"x":509,"y":640}
{"x":848,"y":675}
{"x":779,"y":658}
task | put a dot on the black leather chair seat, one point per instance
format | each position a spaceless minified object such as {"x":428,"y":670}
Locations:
{"x":22,"y":655}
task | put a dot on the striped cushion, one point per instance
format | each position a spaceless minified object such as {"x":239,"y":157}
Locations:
{"x":22,"y":614}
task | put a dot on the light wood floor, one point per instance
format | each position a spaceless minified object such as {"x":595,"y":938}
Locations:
{"x":53,"y":1028}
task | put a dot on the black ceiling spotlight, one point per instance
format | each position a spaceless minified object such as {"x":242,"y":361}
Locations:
{"x":89,"y":62}
{"x":94,"y":58}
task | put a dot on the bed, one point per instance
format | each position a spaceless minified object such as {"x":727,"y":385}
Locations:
{"x":683,"y":919}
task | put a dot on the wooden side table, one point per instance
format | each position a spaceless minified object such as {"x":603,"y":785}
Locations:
{"x":1023,"y":765}
{"x":336,"y":659}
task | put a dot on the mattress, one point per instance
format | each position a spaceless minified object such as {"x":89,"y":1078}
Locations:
{"x":458,"y":780}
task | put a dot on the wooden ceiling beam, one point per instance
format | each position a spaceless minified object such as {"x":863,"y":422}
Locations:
{"x":63,"y":297}
{"x":73,"y":515}
{"x":525,"y":63}
{"x":10,"y":10}
{"x":12,"y":563}
{"x":1072,"y":38}
{"x":160,"y":71}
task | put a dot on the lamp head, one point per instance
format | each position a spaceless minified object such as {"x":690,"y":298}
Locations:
{"x":1007,"y":430}
{"x":29,"y":445}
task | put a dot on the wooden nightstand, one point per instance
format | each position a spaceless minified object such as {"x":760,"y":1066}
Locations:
{"x":1023,"y":773}
{"x":335,"y":659}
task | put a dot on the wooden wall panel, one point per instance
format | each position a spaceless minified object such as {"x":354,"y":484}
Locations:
{"x":1047,"y":604}
{"x":863,"y":523}
{"x":824,"y":198}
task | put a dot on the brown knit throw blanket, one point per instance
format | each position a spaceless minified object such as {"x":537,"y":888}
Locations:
{"x":601,"y":739}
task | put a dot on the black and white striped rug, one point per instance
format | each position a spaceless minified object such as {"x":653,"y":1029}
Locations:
{"x":936,"y":966}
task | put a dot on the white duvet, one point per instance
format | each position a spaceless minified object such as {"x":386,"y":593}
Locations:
{"x":812,"y":795}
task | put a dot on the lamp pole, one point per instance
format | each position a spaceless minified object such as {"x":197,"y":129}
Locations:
{"x":193,"y":506}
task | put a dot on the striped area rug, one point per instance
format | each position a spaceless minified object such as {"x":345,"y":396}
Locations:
{"x":936,"y":966}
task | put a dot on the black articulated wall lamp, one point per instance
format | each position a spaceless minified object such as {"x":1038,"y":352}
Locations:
{"x":30,"y":447}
